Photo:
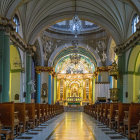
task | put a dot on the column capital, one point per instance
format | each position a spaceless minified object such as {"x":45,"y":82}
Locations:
{"x":7,"y":25}
{"x":54,"y":74}
{"x":31,"y":49}
{"x":129,"y":43}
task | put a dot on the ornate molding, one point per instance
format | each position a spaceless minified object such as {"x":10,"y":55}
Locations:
{"x":103,"y":69}
{"x":130,"y":43}
{"x":40,"y":69}
{"x":7,"y":25}
{"x":18,"y":41}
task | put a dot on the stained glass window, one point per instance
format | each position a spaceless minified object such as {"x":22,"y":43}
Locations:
{"x":134,"y":23}
{"x":16,"y":20}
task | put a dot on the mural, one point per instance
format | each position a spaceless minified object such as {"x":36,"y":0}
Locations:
{"x":65,"y":65}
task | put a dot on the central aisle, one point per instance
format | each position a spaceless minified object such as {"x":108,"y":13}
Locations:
{"x":72,"y":127}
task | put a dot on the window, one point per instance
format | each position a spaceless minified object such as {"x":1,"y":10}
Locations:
{"x":134,"y":23}
{"x":16,"y":20}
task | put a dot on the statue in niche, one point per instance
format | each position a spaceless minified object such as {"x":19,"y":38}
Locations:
{"x":44,"y":92}
{"x":32,"y":84}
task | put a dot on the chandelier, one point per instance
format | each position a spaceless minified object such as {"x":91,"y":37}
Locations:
{"x":75,"y":58}
{"x":75,"y":25}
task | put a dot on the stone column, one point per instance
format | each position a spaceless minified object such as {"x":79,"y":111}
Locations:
{"x":55,"y":88}
{"x":4,"y":64}
{"x":38,"y":88}
{"x":121,"y":69}
{"x":28,"y":78}
{"x":50,"y":89}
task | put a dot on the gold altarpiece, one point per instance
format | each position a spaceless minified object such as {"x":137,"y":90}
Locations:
{"x":74,"y":88}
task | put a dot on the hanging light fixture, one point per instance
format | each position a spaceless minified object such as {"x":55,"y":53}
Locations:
{"x":76,"y":25}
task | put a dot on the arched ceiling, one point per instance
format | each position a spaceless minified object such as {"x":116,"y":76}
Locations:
{"x":36,"y":15}
{"x":113,"y":15}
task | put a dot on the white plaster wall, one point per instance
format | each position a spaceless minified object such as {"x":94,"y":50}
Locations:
{"x":102,"y":90}
{"x":104,"y":77}
{"x":44,"y":79}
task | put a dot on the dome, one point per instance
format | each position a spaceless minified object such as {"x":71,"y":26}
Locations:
{"x":64,"y":27}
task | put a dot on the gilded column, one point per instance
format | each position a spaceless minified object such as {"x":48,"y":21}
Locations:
{"x":84,"y":89}
{"x":90,"y":89}
{"x":93,"y":90}
{"x":58,"y":89}
{"x":64,"y":89}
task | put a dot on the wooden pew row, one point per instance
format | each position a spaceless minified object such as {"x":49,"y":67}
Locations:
{"x":19,"y":117}
{"x":8,"y":119}
{"x":121,"y":116}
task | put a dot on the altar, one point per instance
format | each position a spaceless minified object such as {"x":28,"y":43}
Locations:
{"x":74,"y":100}
{"x":74,"y":89}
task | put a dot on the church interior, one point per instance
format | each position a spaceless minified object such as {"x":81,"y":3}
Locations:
{"x":70,"y":69}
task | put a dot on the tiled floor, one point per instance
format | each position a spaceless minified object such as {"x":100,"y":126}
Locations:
{"x":72,"y":126}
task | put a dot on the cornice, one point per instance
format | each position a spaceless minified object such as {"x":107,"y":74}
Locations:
{"x":131,"y":42}
{"x":18,"y":41}
{"x":9,"y":27}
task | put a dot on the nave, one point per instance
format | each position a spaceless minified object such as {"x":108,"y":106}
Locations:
{"x":72,"y":126}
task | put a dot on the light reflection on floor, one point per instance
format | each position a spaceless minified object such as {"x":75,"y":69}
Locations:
{"x":73,"y":127}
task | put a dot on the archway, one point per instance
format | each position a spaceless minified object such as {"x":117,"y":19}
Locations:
{"x":134,"y":75}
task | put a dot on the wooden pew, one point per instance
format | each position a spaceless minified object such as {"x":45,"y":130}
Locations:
{"x":111,"y":114}
{"x":22,"y":115}
{"x":31,"y":113}
{"x":98,"y":111}
{"x":101,"y":112}
{"x":119,"y":115}
{"x":133,"y":119}
{"x":9,"y":118}
{"x":39,"y":114}
{"x":43,"y":112}
{"x":105,"y":113}
{"x":47,"y":111}
{"x":139,"y":130}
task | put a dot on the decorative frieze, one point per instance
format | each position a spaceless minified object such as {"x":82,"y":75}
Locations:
{"x":44,"y":69}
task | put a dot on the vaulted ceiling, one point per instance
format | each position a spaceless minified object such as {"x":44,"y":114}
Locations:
{"x":37,"y":15}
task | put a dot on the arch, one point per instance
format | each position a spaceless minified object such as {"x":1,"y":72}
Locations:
{"x":134,"y":74}
{"x":66,"y":46}
{"x":15,"y":73}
